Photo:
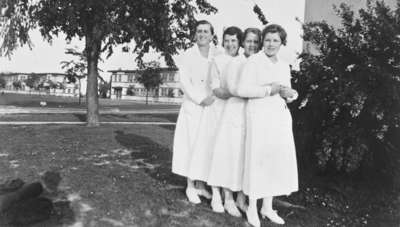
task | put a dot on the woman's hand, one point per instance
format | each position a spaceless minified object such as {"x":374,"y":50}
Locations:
{"x":207,"y":101}
{"x":222,"y":93}
{"x":275,"y":88}
{"x":288,"y":93}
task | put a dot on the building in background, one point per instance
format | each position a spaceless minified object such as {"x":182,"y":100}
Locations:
{"x":40,"y":83}
{"x":125,"y":86}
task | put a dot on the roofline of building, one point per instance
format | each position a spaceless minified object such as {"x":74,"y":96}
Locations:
{"x":31,"y":74}
{"x":141,"y":70}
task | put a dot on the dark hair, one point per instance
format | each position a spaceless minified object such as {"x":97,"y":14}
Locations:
{"x":254,"y":31}
{"x":233,"y":30}
{"x":200,"y":22}
{"x":275,"y":28}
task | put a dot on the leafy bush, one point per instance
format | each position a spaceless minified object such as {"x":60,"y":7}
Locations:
{"x":104,"y":88}
{"x":2,"y":82}
{"x":17,"y":84}
{"x":350,"y":90}
{"x":32,"y":82}
{"x":131,"y":90}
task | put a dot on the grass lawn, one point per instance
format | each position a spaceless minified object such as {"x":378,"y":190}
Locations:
{"x":121,"y":176}
{"x":22,"y":100}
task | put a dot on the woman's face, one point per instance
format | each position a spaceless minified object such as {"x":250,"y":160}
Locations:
{"x":231,"y":44}
{"x":272,"y":43}
{"x":203,"y":35}
{"x":250,"y":44}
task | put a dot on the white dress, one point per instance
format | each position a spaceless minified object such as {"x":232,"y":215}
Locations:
{"x":209,"y":123}
{"x":195,"y":83}
{"x":228,"y":151}
{"x":270,"y":167}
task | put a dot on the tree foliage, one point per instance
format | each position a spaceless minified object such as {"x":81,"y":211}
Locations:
{"x":32,"y":82}
{"x":150,"y":77}
{"x":257,"y":10}
{"x":17,"y":84}
{"x":75,"y":69}
{"x":162,"y":25}
{"x":15,"y":23}
{"x":350,"y":89}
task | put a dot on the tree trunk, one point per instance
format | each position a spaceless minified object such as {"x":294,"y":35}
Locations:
{"x":147,"y":96}
{"x":79,"y":95}
{"x":92,"y":97}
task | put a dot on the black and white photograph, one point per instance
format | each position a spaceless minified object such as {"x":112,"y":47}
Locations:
{"x":199,"y":113}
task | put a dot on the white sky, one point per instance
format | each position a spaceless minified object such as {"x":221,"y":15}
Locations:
{"x":46,"y":58}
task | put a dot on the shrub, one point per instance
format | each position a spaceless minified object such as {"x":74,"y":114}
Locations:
{"x":2,"y":82}
{"x":350,"y":91}
{"x":131,"y":90}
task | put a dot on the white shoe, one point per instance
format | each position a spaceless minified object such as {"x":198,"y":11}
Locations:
{"x":192,"y":195}
{"x":272,"y":215}
{"x":216,"y":206}
{"x":231,"y":208}
{"x":252,"y":218}
{"x":203,"y":192}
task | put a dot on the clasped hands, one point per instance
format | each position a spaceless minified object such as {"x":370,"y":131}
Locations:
{"x":285,"y":92}
{"x":220,"y":93}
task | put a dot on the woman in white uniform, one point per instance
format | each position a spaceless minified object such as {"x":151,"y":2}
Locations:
{"x":228,"y":151}
{"x":231,"y":39}
{"x":195,"y":83}
{"x":270,"y":167}
{"x":209,"y":121}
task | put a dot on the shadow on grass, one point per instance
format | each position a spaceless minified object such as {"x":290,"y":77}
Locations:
{"x":168,"y":127}
{"x":28,"y":205}
{"x":150,"y":152}
{"x":169,"y":117}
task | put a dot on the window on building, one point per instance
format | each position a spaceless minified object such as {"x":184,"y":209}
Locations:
{"x":119,"y":78}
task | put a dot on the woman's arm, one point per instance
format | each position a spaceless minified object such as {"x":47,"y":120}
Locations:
{"x":287,"y":92}
{"x":194,"y":93}
{"x":215,"y":74}
{"x":248,"y":86}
